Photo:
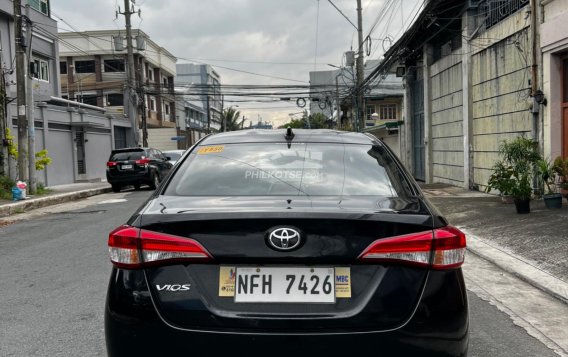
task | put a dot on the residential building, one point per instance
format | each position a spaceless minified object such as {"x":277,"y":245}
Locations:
{"x":326,"y":88}
{"x":78,"y":137}
{"x":204,"y":83}
{"x":471,"y":81}
{"x":554,"y":47}
{"x":93,"y":67}
{"x":382,"y":101}
{"x":192,"y":116}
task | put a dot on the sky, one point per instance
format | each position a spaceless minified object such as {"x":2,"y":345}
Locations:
{"x":276,"y":38}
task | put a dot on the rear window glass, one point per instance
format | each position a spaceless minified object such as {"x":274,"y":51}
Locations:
{"x":276,"y":170}
{"x":128,"y":155}
{"x":173,"y":155}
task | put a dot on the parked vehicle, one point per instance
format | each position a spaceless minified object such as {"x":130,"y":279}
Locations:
{"x":281,"y":242}
{"x":174,"y":155}
{"x":136,"y":166}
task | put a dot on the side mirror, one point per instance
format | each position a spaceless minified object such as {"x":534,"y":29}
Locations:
{"x":168,"y":158}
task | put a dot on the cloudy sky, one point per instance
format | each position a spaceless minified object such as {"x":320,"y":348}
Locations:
{"x":275,"y":38}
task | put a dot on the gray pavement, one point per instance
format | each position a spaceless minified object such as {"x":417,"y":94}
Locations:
{"x":532,"y":246}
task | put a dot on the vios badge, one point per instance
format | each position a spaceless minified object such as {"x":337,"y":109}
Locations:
{"x":284,"y":238}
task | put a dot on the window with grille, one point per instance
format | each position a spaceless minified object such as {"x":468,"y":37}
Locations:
{"x":387,"y":111}
{"x":496,"y":10}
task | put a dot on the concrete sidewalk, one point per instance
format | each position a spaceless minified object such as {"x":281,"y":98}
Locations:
{"x":533,"y":246}
{"x":57,"y":194}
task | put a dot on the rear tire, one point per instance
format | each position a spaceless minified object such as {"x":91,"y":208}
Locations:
{"x":116,"y":188}
{"x":155,"y":181}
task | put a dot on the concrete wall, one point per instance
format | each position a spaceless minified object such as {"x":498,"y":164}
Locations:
{"x":500,"y":91}
{"x":447,"y":120}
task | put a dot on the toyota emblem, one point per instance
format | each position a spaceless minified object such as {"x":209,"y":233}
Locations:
{"x":284,"y":238}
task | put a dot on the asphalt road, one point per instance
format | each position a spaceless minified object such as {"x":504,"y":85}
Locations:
{"x":54,"y":270}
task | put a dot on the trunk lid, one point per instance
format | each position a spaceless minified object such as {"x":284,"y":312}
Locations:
{"x":335,"y":230}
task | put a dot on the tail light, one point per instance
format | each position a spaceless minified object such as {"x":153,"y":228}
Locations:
{"x":442,"y":248}
{"x":111,"y":163}
{"x":131,"y":247}
{"x":142,"y":162}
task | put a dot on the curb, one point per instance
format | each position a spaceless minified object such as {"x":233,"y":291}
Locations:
{"x":34,"y":203}
{"x":518,"y":267}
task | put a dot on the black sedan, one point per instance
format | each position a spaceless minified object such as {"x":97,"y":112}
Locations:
{"x":280,"y":242}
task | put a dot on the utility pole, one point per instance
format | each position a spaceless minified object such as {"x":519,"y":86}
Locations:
{"x":223,"y":113}
{"x":534,"y":68}
{"x":21,"y":92}
{"x":144,"y":121}
{"x":30,"y":111}
{"x":360,"y":69}
{"x":208,"y":115}
{"x":130,"y":98}
{"x":337,"y":104}
{"x":3,"y":124}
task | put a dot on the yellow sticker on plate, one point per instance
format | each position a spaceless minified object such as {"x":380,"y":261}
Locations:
{"x":227,"y":281}
{"x":211,"y":149}
{"x":342,"y":282}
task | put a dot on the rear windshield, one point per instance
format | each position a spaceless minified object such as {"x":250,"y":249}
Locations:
{"x":311,"y":169}
{"x":128,"y":155}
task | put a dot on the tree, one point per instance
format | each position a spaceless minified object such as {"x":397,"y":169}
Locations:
{"x":316,"y":121}
{"x":230,"y":117}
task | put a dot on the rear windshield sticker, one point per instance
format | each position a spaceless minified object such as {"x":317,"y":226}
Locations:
{"x":211,"y":149}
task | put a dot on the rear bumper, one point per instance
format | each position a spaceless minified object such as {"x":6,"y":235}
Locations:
{"x":131,"y":178}
{"x":439,"y":327}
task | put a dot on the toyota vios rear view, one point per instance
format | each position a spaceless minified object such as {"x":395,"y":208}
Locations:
{"x":287,"y":242}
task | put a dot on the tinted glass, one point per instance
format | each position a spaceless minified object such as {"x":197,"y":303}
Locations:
{"x":128,"y":155}
{"x":174,"y":156}
{"x":275,"y":170}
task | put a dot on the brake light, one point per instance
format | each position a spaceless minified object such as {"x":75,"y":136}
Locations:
{"x":111,"y":163}
{"x":131,"y":247}
{"x":142,"y":161}
{"x":442,"y":248}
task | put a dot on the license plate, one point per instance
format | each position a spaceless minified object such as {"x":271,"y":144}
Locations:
{"x":126,"y":167}
{"x":285,"y":285}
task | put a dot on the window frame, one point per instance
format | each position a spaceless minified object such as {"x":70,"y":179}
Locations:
{"x":41,"y":64}
{"x":389,"y":108}
{"x":120,"y":69}
{"x":79,"y":68}
{"x":108,"y":101}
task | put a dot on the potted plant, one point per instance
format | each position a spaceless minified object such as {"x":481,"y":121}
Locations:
{"x":502,"y":181}
{"x":560,"y":168}
{"x":547,"y":175}
{"x":520,"y":157}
